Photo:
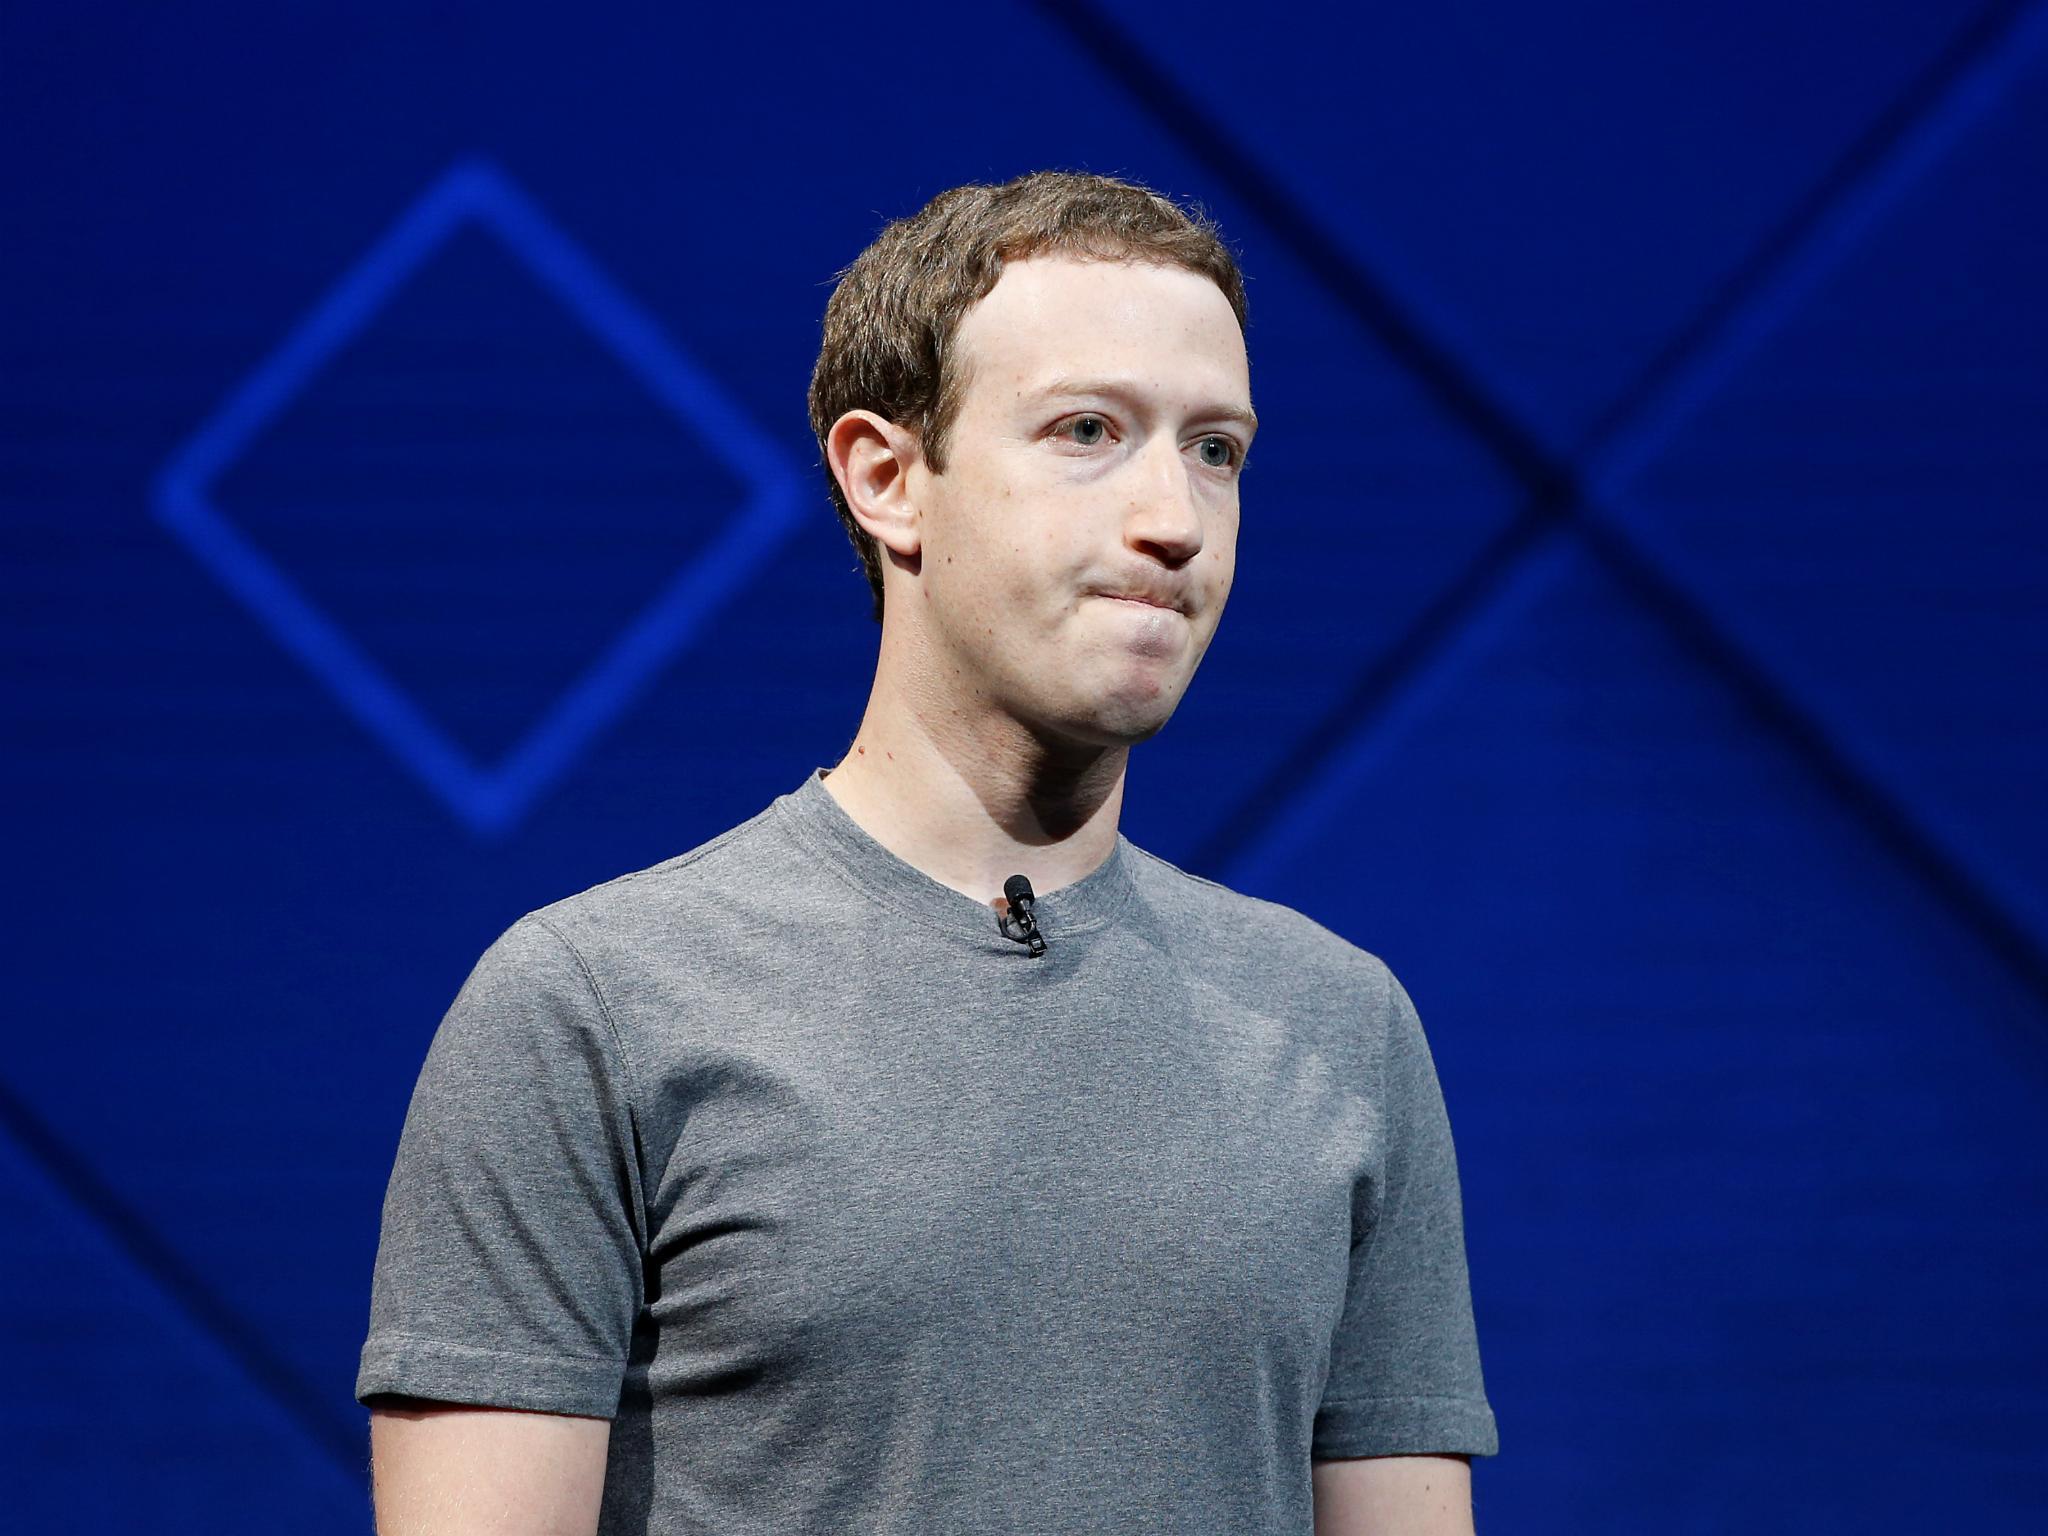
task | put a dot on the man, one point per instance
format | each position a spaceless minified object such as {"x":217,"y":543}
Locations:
{"x":812,"y":1181}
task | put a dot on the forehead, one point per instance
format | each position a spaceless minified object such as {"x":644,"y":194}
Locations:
{"x":1058,"y":316}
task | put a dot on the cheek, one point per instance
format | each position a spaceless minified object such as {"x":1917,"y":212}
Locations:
{"x":1219,"y":556}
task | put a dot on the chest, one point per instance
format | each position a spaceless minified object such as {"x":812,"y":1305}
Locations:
{"x":1104,"y":1174}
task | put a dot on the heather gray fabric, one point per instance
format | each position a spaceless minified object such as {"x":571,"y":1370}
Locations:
{"x":853,"y":1216}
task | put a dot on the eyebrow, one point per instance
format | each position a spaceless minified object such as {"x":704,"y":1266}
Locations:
{"x":1114,"y":389}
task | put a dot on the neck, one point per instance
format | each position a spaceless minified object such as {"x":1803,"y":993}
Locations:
{"x":971,"y":800}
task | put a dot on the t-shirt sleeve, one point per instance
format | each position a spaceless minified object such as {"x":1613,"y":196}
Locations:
{"x":1404,"y":1363}
{"x":509,"y":1268}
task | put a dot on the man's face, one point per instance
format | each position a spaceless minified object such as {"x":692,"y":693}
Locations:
{"x":1077,"y":552}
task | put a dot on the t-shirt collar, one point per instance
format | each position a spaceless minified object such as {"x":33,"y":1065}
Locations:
{"x":812,"y":813}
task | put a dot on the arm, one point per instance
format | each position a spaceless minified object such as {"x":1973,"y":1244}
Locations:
{"x":444,"y":1469}
{"x":1405,"y":1406}
{"x":1393,"y":1496}
{"x":509,"y":1265}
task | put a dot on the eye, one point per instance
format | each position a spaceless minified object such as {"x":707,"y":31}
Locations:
{"x":1085,"y":430}
{"x":1218,"y":452}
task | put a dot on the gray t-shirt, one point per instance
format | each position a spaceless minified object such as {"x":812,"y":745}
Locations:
{"x":855,"y":1216}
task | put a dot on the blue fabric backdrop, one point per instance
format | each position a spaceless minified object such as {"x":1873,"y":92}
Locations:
{"x":410,"y":517}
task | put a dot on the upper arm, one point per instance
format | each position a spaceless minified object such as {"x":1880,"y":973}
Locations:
{"x":1404,"y":1375}
{"x":510,"y":1262}
{"x":446,"y":1469}
{"x":1393,"y":1496}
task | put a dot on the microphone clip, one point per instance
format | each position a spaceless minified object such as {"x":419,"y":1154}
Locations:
{"x":1021,"y":923}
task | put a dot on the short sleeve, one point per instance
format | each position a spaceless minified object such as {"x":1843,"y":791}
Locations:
{"x":1404,"y":1363}
{"x":509,"y":1269}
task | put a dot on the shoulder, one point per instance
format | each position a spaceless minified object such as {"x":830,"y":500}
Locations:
{"x":742,"y":857}
{"x":653,"y":907}
{"x":1265,"y":942}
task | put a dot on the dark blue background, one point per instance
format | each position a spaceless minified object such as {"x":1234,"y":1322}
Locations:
{"x":1638,"y":642}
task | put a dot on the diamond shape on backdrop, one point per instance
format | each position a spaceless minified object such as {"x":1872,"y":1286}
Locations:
{"x":490,"y":797}
{"x":1860,"y":502}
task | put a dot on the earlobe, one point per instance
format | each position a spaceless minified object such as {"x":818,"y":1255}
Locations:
{"x":871,"y":458}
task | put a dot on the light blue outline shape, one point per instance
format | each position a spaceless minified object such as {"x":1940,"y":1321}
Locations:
{"x":489,"y":799}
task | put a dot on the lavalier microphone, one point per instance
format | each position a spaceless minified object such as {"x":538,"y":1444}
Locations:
{"x":1021,"y":923}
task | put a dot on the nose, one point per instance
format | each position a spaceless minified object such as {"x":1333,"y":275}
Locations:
{"x":1164,"y":520}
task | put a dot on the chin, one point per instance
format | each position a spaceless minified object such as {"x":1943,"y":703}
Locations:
{"x":1126,"y":723}
{"x":1126,"y":707}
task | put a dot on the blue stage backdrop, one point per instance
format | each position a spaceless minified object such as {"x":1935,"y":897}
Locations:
{"x":410,"y":518}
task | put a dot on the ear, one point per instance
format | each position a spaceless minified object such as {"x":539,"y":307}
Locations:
{"x":871,"y":459}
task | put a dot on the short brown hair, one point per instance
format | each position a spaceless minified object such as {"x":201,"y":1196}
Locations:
{"x":890,"y":323}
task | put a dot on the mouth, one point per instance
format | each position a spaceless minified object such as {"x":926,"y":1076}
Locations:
{"x":1140,"y":600}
